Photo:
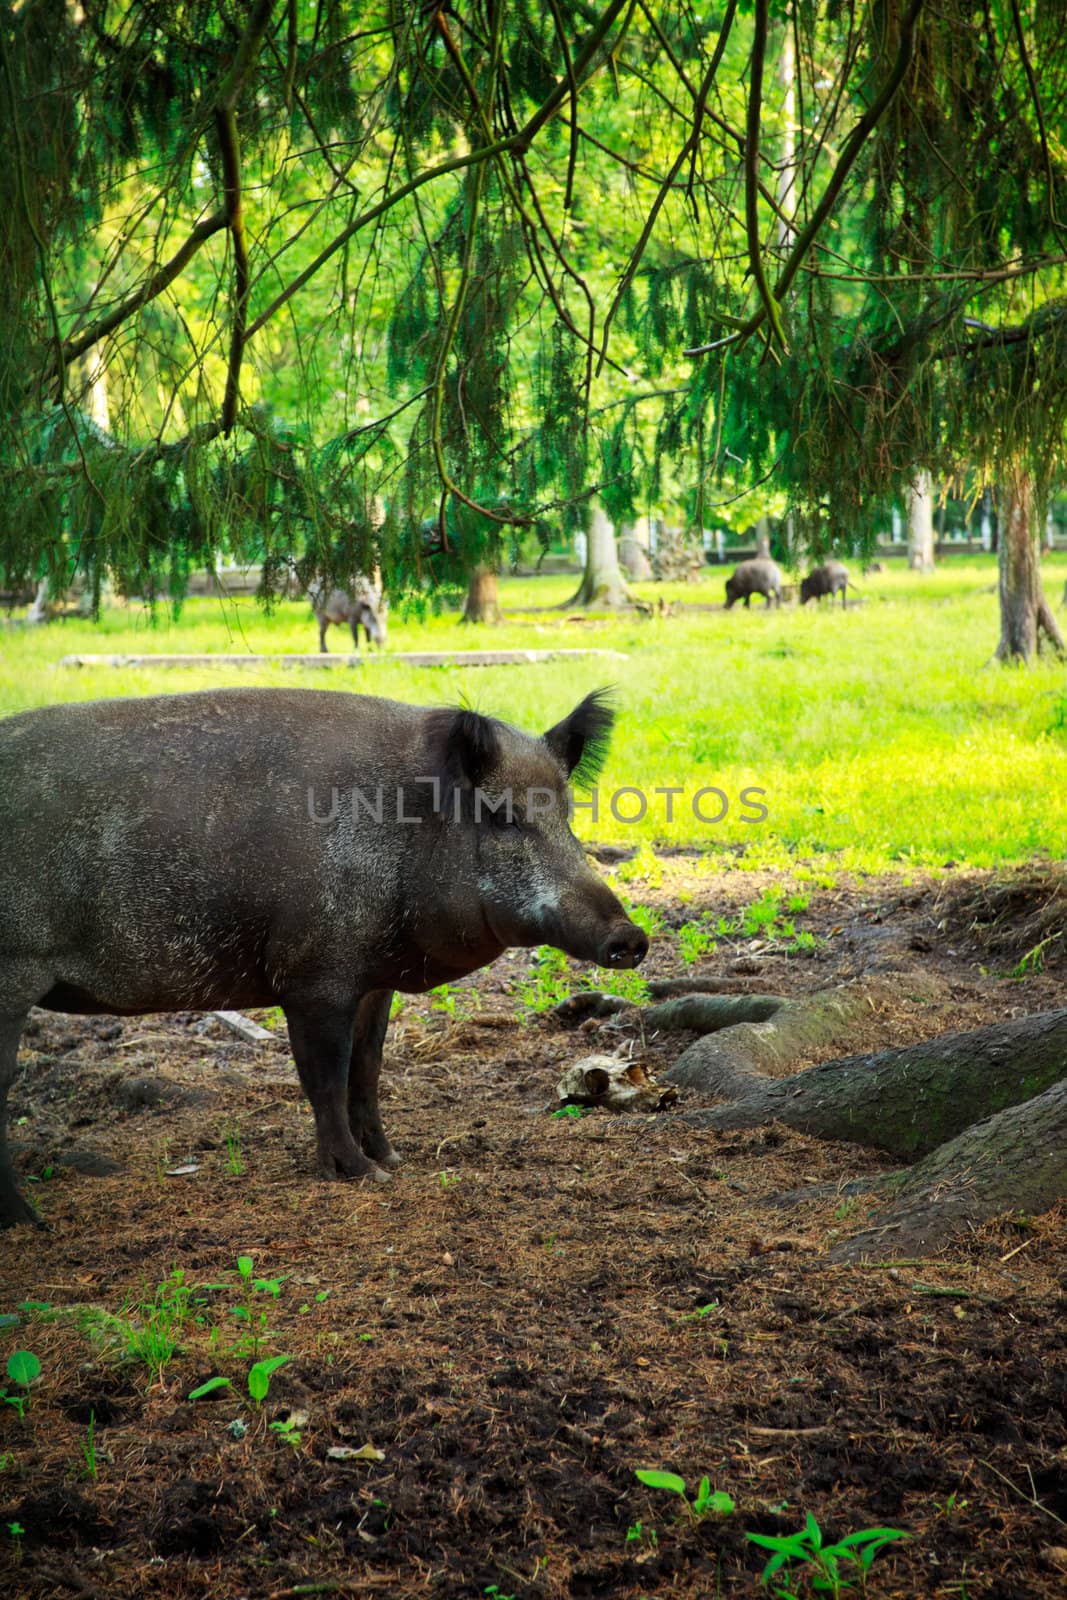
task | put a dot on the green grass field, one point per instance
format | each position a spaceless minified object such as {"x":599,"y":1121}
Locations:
{"x":880,"y":736}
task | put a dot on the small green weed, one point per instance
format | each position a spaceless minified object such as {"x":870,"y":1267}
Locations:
{"x":453,"y":1002}
{"x":1033,"y":962}
{"x":572,"y":1113}
{"x":629,"y":986}
{"x":643,"y":867}
{"x":701,"y":1312}
{"x":288,"y":1430}
{"x":151,"y":1328}
{"x":88,"y":1449}
{"x":707,"y":1502}
{"x":234,"y":1159}
{"x":648,"y":920}
{"x":259,"y":1376}
{"x":16,"y":1530}
{"x":323,"y":1294}
{"x":637,"y":1533}
{"x":822,"y":1563}
{"x":23,"y":1368}
{"x":249,"y":1312}
{"x":762,"y":915}
{"x":548,"y":982}
{"x":696,"y":939}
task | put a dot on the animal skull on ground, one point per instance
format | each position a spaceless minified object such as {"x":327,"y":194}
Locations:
{"x":616,"y":1085}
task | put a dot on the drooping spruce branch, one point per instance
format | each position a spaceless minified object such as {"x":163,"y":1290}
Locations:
{"x":518,"y":143}
{"x":855,"y":143}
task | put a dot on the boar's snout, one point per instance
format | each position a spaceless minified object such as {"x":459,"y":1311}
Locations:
{"x":625,"y":946}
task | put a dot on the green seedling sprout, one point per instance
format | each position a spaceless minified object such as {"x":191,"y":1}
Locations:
{"x":822,"y":1561}
{"x":233,"y":1152}
{"x":247,"y":1312}
{"x":289,"y":1431}
{"x":88,"y":1449}
{"x":259,"y":1376}
{"x":707,"y":1502}
{"x":23,"y":1368}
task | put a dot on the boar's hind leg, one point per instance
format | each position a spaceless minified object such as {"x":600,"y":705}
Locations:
{"x":372,"y":1019}
{"x":322,"y":1050}
{"x":13,"y":1208}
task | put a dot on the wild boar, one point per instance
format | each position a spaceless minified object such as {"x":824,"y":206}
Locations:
{"x":300,"y":848}
{"x":366,"y":608}
{"x":831,"y":578}
{"x":758,"y":576}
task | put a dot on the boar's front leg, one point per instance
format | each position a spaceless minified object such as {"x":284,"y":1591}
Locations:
{"x":322,"y":1049}
{"x":364,"y":1116}
{"x":13,"y":1208}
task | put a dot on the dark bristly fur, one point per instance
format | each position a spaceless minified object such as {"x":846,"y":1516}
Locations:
{"x":168,"y":806}
{"x":581,"y":741}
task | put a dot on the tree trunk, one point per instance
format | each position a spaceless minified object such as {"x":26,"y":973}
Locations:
{"x":1013,"y":1161}
{"x":1024,"y":611}
{"x":763,"y":538}
{"x":633,"y":551}
{"x":920,"y":524}
{"x":923,"y":1101}
{"x":906,"y":1101}
{"x":483,"y":599}
{"x":38,"y":612}
{"x":602,"y":582}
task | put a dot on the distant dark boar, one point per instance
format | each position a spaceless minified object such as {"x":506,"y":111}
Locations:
{"x":299,"y":848}
{"x":364,"y":608}
{"x":831,"y":578}
{"x":758,"y":576}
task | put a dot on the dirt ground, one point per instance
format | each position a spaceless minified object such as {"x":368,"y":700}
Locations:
{"x":483,"y":1351}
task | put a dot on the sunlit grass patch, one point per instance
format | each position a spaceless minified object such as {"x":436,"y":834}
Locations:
{"x":875,"y":736}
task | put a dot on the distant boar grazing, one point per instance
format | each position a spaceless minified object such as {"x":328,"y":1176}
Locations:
{"x":831,"y":578}
{"x":298,"y":848}
{"x":758,"y":576}
{"x":364,"y":608}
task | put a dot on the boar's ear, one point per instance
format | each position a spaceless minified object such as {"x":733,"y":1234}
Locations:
{"x":580,"y":742}
{"x":465,"y":747}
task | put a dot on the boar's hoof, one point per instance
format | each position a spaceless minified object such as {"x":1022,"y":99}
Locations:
{"x":382,"y":1152}
{"x":350,"y":1164}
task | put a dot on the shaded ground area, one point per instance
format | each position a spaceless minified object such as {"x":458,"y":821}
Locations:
{"x":535,"y":1307}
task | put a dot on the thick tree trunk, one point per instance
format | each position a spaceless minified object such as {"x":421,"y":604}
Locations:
{"x":763,"y":538}
{"x":906,"y":1101}
{"x":920,"y":523}
{"x":602,"y":583}
{"x":1014,"y":1161}
{"x":633,"y":551}
{"x":483,"y":598}
{"x":1024,"y":611}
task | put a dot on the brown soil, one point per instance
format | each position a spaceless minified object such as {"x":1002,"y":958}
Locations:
{"x":519,"y":1319}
